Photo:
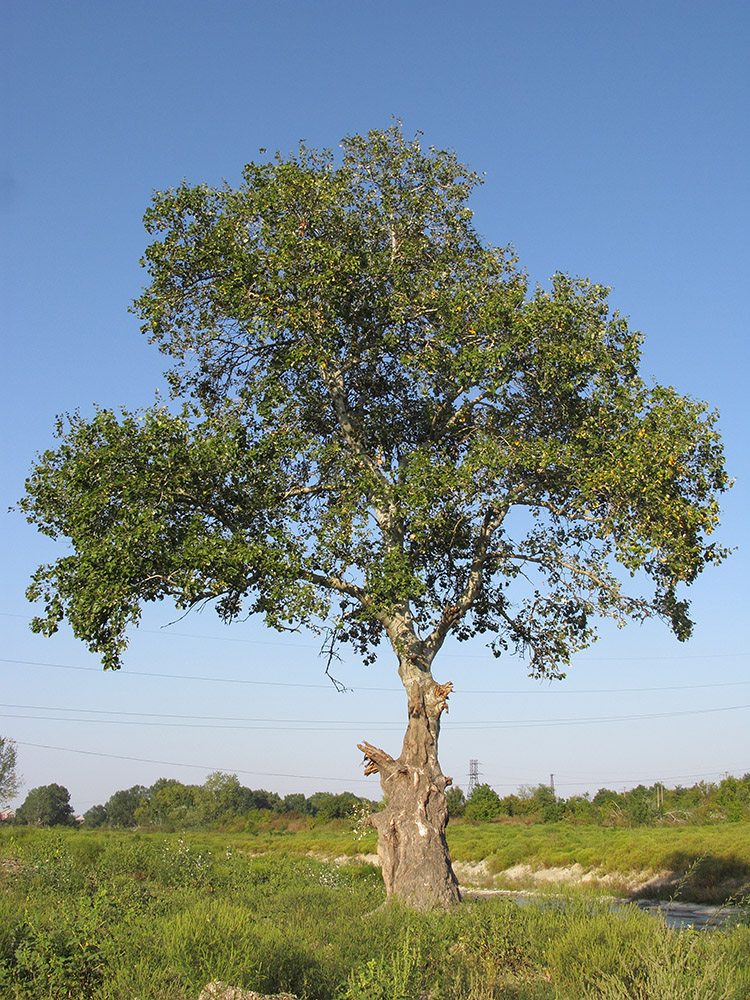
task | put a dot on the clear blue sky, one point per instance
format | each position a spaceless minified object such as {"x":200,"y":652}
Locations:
{"x":614,"y":138}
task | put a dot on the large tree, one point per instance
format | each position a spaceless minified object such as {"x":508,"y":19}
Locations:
{"x":47,"y":805}
{"x":387,"y":433}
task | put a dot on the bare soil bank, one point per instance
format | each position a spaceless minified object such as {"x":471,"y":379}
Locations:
{"x":645,"y":885}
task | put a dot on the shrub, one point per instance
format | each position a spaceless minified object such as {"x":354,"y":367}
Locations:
{"x":483,"y":803}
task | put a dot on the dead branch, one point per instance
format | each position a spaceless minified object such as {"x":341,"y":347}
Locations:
{"x":375,"y":760}
{"x":440,"y":694}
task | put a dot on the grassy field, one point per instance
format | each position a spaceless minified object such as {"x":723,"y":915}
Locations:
{"x":134,"y":916}
{"x":710,"y":863}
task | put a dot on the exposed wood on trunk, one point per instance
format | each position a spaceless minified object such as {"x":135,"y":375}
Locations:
{"x":411,"y":830}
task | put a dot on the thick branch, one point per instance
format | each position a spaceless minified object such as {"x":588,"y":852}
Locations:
{"x":378,"y":761}
{"x":329,"y":582}
{"x":607,"y":585}
{"x":455,"y":611}
{"x":387,"y":519}
{"x":335,"y":385}
{"x":305,"y":491}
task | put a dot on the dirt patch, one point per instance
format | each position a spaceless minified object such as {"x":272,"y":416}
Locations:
{"x":220,"y":991}
{"x":643,"y":885}
{"x":476,"y":873}
{"x":476,"y":876}
{"x":358,"y":859}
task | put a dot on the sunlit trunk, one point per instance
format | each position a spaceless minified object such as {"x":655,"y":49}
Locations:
{"x":411,"y":830}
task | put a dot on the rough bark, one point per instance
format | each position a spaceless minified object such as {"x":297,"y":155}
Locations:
{"x":412,"y":847}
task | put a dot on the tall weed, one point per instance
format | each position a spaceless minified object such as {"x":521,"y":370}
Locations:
{"x":398,"y":976}
{"x":628,"y":955}
{"x":678,"y":969}
{"x":212,"y":939}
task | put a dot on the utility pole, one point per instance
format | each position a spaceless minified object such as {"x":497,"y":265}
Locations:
{"x":552,"y":783}
{"x":473,"y":775}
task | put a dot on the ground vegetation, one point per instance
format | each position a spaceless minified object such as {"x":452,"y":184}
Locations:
{"x":114,"y":915}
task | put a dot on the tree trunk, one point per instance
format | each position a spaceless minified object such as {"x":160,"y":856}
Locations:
{"x":412,"y":848}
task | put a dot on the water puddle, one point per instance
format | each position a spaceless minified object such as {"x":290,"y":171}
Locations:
{"x":676,"y":915}
{"x":681,"y":915}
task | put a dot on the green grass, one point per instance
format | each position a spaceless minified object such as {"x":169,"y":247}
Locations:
{"x":122,"y":916}
{"x":715,"y":859}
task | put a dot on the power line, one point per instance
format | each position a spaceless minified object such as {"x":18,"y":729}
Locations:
{"x":577,"y":780}
{"x":200,"y":767}
{"x":388,"y":690}
{"x":282,"y":726}
{"x":179,"y":677}
{"x":167,"y":715}
{"x":543,"y":723}
{"x":604,"y":782}
{"x":444,"y":654}
{"x":317,"y":777}
{"x":384,"y":727}
{"x":347,"y":725}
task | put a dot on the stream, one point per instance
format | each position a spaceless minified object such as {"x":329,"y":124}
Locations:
{"x":681,"y":915}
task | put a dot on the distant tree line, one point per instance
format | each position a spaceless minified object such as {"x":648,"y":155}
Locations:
{"x":704,"y":802}
{"x":222,"y":801}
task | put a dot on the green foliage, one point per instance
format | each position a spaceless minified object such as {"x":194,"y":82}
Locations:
{"x":121,"y":808}
{"x":65,"y":953}
{"x":550,"y":808}
{"x":11,"y":919}
{"x":224,"y":797}
{"x":395,"y":977}
{"x":727,"y":801}
{"x":94,"y":817}
{"x":595,"y":947}
{"x":296,"y":802}
{"x":220,"y":802}
{"x":212,"y":939}
{"x":456,"y":801}
{"x":10,"y":780}
{"x":483,"y":803}
{"x":380,"y":419}
{"x":328,"y":805}
{"x":170,"y":805}
{"x":179,"y":864}
{"x":47,"y":805}
{"x":710,"y":863}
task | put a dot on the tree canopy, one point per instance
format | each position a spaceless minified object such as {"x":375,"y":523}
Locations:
{"x":47,"y":805}
{"x":379,"y":413}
